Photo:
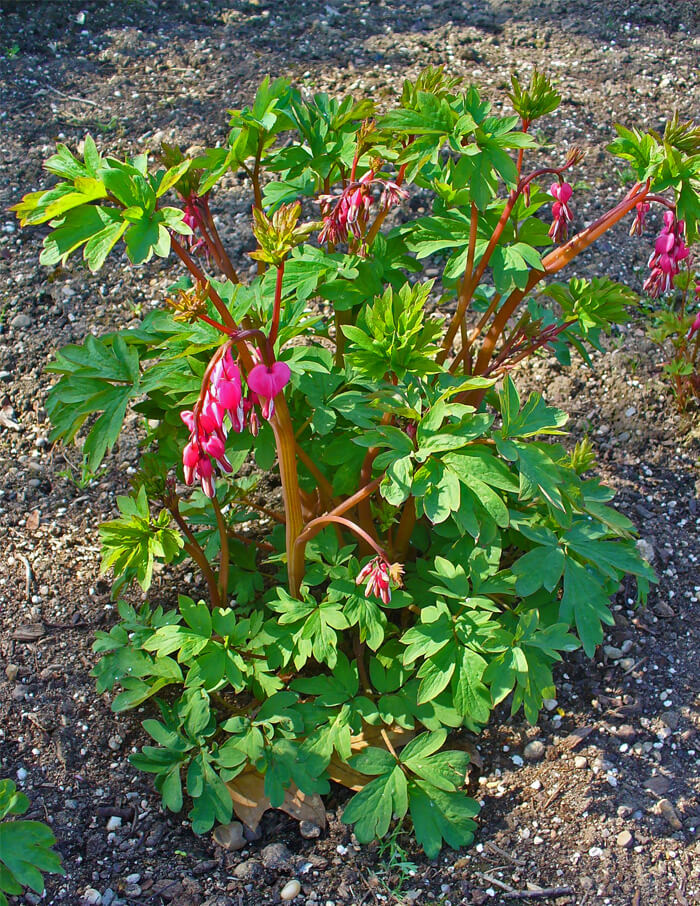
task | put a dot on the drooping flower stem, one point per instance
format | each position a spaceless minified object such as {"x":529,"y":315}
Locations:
{"x":315,"y":526}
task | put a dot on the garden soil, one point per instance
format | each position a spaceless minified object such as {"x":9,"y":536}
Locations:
{"x":604,"y":808}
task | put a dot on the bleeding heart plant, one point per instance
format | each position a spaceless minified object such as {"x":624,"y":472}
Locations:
{"x":391,"y":540}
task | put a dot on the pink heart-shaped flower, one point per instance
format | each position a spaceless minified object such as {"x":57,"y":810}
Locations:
{"x":269,"y":381}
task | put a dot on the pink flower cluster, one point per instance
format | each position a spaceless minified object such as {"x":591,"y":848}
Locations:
{"x":379,"y":575}
{"x":224,"y":399}
{"x":348,"y":212}
{"x":669,"y":251}
{"x":561,"y":212}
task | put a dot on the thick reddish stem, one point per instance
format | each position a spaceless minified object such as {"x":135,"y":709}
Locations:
{"x":553,"y":263}
{"x":274,"y":327}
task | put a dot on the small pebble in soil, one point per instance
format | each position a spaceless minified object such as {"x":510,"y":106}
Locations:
{"x":230,"y":836}
{"x":309,"y":830}
{"x":595,"y":852}
{"x":624,"y":839}
{"x":667,"y":811}
{"x":248,"y":870}
{"x":91,"y":897}
{"x":646,"y":549}
{"x":290,"y":890}
{"x":580,"y":761}
{"x":114,"y":823}
{"x":534,"y":751}
{"x":21,"y":321}
{"x":275,"y":856}
{"x":11,"y":672}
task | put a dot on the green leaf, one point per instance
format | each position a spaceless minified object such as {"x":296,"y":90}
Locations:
{"x":444,"y":770}
{"x":371,"y":810}
{"x":542,"y":566}
{"x":146,"y":237}
{"x":538,"y":468}
{"x":536,"y":417}
{"x":471,"y":697}
{"x":99,"y":227}
{"x":586,"y":603}
{"x":441,"y":816}
{"x":25,"y":846}
{"x":396,"y":486}
{"x":436,"y":490}
{"x":212,"y":800}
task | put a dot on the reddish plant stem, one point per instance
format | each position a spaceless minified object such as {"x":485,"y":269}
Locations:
{"x":310,"y":530}
{"x":500,"y":366}
{"x":223,"y":539}
{"x":553,"y":263}
{"x":219,"y":304}
{"x":274,"y":327}
{"x":212,"y":247}
{"x":195,"y":551}
{"x":406,"y":525}
{"x":355,"y":162}
{"x":364,"y":511}
{"x":283,"y":429}
{"x":381,"y":216}
{"x":226,"y":264}
{"x":316,"y":525}
{"x":469,"y":285}
{"x":510,"y":340}
{"x":271,"y":514}
{"x":475,"y":334}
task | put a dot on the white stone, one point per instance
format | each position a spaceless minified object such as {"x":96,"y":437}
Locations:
{"x":290,"y":890}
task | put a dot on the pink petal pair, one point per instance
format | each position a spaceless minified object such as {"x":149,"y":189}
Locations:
{"x":266,"y":382}
{"x":561,"y":191}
